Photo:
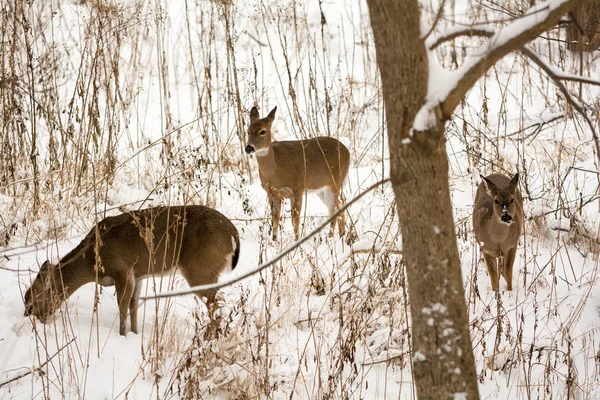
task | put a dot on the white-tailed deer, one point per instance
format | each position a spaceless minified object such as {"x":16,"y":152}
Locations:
{"x":498,"y":221}
{"x":288,"y":169}
{"x":129,"y":247}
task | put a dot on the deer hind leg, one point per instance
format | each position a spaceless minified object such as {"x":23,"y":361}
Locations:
{"x":341,"y":220}
{"x":331,"y":198}
{"x":198,"y":273}
{"x":133,"y":306}
{"x":125,"y":285}
{"x":507,"y":267}
{"x":492,"y":266}
{"x":213,"y":329}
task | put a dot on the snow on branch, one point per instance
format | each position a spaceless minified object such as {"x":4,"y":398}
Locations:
{"x":445,"y":94}
{"x":553,"y":73}
{"x":456,"y":32}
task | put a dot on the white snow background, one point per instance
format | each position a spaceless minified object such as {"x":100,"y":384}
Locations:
{"x":330,"y":320}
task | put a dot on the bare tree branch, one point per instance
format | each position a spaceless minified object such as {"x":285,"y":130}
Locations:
{"x":256,"y":270}
{"x":556,"y":76}
{"x":557,"y":81}
{"x":489,"y":32}
{"x":438,"y":17}
{"x":538,"y":127}
{"x":572,"y":77}
{"x":468,"y":31}
{"x":503,"y":42}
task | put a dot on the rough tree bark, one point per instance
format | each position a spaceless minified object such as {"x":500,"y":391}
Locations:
{"x":443,"y":364}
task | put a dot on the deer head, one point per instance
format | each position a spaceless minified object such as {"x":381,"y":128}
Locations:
{"x":259,"y":133}
{"x":504,"y":199}
{"x":40,"y":300}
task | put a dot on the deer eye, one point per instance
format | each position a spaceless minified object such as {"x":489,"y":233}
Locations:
{"x":263,"y":132}
{"x":497,"y":201}
{"x":512,"y":201}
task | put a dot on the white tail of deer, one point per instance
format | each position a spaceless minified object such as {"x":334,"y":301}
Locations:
{"x":498,"y":222}
{"x":288,"y":169}
{"x":198,"y":240}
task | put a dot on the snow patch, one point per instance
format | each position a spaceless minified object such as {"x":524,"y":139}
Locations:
{"x":440,"y":308}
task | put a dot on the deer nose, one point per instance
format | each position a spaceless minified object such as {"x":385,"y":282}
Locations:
{"x":506,"y":218}
{"x":249,"y":149}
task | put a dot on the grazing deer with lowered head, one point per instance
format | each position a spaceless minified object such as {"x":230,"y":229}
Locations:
{"x":124,"y":249}
{"x":498,"y":221}
{"x":290,"y":168}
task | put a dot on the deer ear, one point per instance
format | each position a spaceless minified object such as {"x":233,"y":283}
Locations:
{"x":44,"y":274}
{"x":271,"y":115}
{"x":490,"y":186}
{"x":513,"y":182}
{"x":253,"y":114}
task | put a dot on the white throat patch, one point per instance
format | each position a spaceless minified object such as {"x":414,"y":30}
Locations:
{"x":261,"y":152}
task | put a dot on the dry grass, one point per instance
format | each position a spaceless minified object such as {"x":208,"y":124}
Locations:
{"x":138,"y":98}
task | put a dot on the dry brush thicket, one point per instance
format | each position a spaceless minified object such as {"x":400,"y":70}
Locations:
{"x":111,"y":105}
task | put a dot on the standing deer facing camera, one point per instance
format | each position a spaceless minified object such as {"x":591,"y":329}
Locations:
{"x":288,"y":169}
{"x":124,"y":249}
{"x":498,"y":221}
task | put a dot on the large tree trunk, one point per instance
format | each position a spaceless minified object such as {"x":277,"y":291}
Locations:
{"x":443,"y":364}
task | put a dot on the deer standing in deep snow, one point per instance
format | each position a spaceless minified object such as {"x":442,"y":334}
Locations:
{"x":198,"y":240}
{"x":290,"y":168}
{"x":498,"y":222}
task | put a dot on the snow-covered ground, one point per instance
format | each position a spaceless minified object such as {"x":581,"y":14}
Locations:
{"x":329,"y":320}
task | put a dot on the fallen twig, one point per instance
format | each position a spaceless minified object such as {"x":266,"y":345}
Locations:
{"x":32,"y":370}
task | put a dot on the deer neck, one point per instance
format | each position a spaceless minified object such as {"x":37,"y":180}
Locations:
{"x":499,"y":230}
{"x":266,"y":163}
{"x":72,"y":272}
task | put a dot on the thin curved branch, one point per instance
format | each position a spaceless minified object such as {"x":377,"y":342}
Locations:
{"x":267,"y":264}
{"x":556,"y":76}
{"x":573,"y":78}
{"x":512,"y":37}
{"x":557,"y":81}
{"x":32,"y":370}
{"x":453,"y":34}
{"x":488,"y":32}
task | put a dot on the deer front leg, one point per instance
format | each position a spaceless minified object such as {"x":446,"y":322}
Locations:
{"x":341,"y":223}
{"x":509,"y":261}
{"x":133,"y":307}
{"x":296,"y":210}
{"x":125,"y":285}
{"x":275,"y":202}
{"x":492,"y":266}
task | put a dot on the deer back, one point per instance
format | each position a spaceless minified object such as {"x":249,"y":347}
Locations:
{"x":498,"y":214}
{"x":312,"y":163}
